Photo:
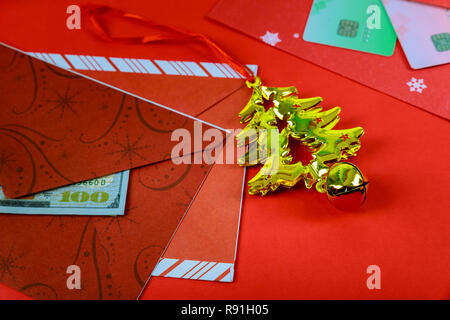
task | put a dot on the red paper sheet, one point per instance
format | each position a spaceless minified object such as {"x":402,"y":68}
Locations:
{"x":295,"y":245}
{"x":387,"y":74}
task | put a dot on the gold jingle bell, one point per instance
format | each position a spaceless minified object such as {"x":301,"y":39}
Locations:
{"x":346,"y":187}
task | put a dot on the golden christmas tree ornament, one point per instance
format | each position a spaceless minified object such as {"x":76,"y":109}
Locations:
{"x":307,"y":122}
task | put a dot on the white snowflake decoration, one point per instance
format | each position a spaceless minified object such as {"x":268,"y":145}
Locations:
{"x":270,"y":38}
{"x":416,"y":85}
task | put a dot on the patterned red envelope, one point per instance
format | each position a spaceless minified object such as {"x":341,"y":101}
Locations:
{"x":221,"y":262}
{"x":217,"y":79}
{"x":284,"y":28}
{"x":224,"y":256}
{"x":59,"y":128}
{"x":189,"y":85}
{"x":116,"y":255}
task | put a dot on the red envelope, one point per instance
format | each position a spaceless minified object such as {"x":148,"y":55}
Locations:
{"x":224,"y":256}
{"x":129,"y":289}
{"x":55,"y":288}
{"x":390,"y":75}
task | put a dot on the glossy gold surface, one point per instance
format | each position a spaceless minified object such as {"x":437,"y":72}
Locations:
{"x":346,"y":187}
{"x":305,"y":121}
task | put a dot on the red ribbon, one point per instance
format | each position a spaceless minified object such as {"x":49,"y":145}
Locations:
{"x":162,"y":33}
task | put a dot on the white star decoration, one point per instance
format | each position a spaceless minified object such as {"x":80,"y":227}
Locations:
{"x":270,"y":38}
{"x":416,"y":85}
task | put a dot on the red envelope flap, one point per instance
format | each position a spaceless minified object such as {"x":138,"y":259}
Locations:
{"x":58,"y":128}
{"x":187,"y":94}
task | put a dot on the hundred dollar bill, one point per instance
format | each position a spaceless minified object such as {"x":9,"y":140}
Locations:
{"x":96,"y":197}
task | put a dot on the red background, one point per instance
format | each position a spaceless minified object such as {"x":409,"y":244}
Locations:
{"x":294,"y":245}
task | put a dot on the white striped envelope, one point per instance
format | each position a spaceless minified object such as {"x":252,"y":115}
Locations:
{"x":205,"y":243}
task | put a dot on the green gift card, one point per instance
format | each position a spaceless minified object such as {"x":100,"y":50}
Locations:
{"x":361,"y":25}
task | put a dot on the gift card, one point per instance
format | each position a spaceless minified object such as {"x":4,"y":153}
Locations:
{"x":422,"y":88}
{"x":358,"y":25}
{"x":423,"y":31}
